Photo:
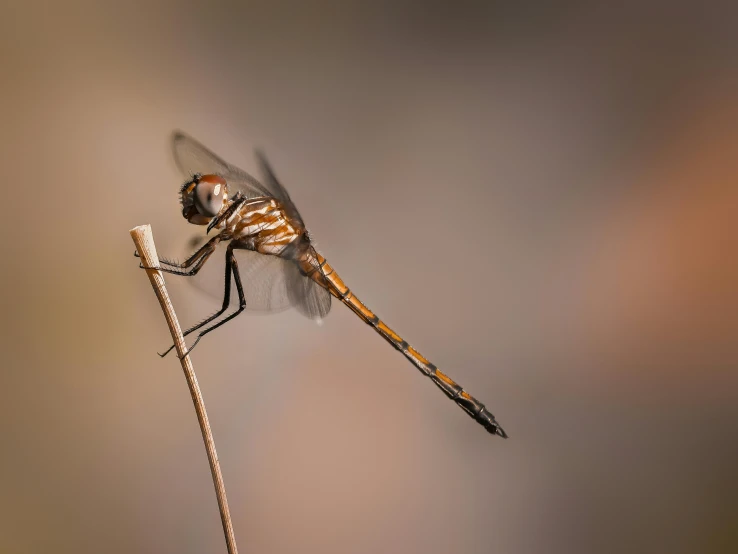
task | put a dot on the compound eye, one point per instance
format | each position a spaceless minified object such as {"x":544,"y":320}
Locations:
{"x":209,"y":194}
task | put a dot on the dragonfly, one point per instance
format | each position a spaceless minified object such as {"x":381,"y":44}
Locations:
{"x":257,"y":220}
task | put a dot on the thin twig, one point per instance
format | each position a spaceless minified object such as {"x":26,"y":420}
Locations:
{"x":144,"y":241}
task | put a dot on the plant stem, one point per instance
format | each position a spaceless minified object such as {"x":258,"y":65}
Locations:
{"x":144,"y":241}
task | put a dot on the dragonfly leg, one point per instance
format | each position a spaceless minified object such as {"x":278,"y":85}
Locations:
{"x":226,"y":300}
{"x":188,"y":262}
{"x":237,"y":202}
{"x":241,"y":298}
{"x":197,"y":260}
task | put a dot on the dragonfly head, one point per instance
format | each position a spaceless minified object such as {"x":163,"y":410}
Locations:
{"x":203,"y":197}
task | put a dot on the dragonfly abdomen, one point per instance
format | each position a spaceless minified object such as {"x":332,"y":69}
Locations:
{"x":317,"y":268}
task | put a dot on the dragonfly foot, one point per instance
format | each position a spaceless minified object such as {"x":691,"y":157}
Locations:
{"x":191,"y":348}
{"x":186,"y":352}
{"x":167,"y":351}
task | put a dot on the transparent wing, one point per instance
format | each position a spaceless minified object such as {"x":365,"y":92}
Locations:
{"x":271,"y":284}
{"x":192,"y":157}
{"x":310,"y":299}
{"x":275,"y":187}
{"x":264,"y":279}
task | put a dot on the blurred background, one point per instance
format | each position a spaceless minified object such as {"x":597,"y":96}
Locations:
{"x":542,"y":200}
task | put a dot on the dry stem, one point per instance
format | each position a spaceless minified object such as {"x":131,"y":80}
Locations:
{"x":144,"y":241}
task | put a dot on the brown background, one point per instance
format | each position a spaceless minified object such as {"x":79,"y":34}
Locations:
{"x":541,"y":200}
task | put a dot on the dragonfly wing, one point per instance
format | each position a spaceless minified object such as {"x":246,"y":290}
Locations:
{"x":265,"y":279}
{"x":270,"y":283}
{"x":192,"y":157}
{"x":310,"y":299}
{"x":275,"y":187}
